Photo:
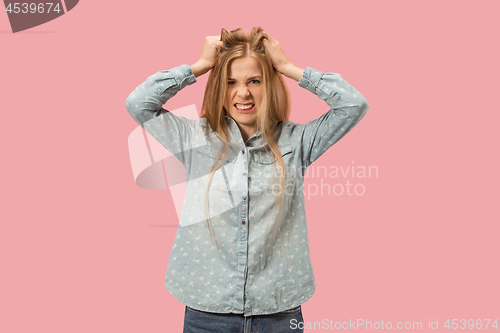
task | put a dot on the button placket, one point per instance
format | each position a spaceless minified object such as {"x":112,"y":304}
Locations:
{"x":244,"y":190}
{"x":243,"y":219}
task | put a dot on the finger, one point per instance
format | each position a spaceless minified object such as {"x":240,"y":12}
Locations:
{"x":213,"y":38}
{"x":269,"y":38}
{"x":218,"y":44}
{"x":267,"y":44}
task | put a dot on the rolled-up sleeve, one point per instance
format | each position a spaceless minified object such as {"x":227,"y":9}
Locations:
{"x":347,"y":108}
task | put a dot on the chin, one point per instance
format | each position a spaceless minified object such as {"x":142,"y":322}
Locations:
{"x":246,"y":121}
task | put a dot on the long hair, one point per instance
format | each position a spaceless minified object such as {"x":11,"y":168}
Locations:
{"x":274,"y":108}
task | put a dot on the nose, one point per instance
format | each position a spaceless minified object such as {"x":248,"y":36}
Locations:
{"x":243,"y":91}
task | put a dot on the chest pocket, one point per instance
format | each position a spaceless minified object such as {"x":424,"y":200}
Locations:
{"x":264,"y":166}
{"x":212,"y":151}
{"x":267,"y":157}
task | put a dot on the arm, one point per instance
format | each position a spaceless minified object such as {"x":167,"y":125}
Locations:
{"x":347,"y":108}
{"x":347,"y":105}
{"x":145,"y":103}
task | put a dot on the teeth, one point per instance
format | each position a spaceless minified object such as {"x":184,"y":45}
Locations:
{"x":246,"y":107}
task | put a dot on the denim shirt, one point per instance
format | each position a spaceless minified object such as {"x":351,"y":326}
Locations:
{"x":259,"y":264}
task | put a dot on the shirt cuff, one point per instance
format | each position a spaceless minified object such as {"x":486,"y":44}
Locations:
{"x":310,"y":79}
{"x":183,"y":76}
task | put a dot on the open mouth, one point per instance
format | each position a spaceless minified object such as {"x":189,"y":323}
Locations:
{"x":244,"y":108}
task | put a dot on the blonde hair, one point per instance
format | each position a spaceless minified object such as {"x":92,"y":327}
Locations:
{"x":274,"y":108}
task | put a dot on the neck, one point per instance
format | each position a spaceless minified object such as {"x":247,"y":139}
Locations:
{"x":246,"y":131}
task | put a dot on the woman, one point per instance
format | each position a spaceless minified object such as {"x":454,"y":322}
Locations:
{"x":240,"y":260}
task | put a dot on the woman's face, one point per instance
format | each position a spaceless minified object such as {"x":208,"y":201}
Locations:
{"x":244,"y":92}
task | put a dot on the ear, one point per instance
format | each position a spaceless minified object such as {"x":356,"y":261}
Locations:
{"x":224,"y":35}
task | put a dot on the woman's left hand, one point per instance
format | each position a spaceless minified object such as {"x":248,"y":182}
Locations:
{"x":280,"y":60}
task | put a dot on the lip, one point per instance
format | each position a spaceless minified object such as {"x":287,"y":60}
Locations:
{"x":244,"y":111}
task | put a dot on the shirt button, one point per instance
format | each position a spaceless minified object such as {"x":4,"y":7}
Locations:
{"x":244,"y":173}
{"x":243,"y":151}
{"x":244,"y":197}
{"x":243,"y":222}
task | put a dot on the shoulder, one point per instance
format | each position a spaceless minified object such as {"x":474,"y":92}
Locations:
{"x":288,"y":133}
{"x":202,"y":130}
{"x":289,"y":127}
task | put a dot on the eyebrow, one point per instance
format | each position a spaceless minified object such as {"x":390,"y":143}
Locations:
{"x":250,"y":78}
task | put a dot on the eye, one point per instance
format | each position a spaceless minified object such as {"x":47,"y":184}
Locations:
{"x":230,"y":83}
{"x":255,"y":81}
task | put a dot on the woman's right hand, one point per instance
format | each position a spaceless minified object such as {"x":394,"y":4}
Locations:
{"x":207,"y":58}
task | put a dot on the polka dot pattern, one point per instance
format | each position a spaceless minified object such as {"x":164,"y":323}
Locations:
{"x":249,"y":261}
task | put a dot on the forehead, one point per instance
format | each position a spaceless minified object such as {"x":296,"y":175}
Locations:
{"x":245,"y":67}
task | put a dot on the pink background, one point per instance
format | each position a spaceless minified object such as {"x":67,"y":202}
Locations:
{"x":84,"y":249}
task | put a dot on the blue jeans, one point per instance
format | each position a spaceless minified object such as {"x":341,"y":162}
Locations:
{"x":196,"y":321}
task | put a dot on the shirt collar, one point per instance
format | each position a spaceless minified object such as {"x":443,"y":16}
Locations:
{"x":236,"y":138}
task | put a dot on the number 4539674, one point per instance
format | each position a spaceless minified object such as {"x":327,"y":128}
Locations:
{"x":32,"y":8}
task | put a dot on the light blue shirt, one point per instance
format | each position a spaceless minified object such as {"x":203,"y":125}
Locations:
{"x":250,"y":271}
